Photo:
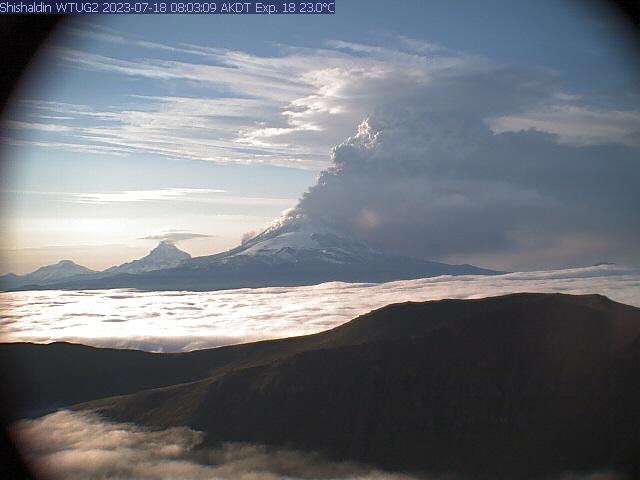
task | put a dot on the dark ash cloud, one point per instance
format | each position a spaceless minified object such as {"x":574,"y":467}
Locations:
{"x":426,"y":175}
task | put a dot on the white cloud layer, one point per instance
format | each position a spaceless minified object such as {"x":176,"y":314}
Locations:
{"x":175,"y":236}
{"x":145,"y":195}
{"x":81,"y":446}
{"x":183,"y":321}
{"x":173,"y":195}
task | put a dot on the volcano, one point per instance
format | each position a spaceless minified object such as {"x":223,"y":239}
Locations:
{"x":294,"y":251}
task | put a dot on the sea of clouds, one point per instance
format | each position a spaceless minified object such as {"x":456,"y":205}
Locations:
{"x":82,"y":446}
{"x":183,"y":321}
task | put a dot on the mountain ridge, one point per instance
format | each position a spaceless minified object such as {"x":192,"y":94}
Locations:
{"x":164,"y":255}
{"x":292,"y":252}
{"x":515,"y":386}
{"x":61,"y":270}
{"x":542,"y":382}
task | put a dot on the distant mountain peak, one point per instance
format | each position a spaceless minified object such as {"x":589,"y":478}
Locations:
{"x":168,"y":248}
{"x":67,"y":266}
{"x":164,"y":255}
{"x":296,"y":249}
{"x":62,"y":270}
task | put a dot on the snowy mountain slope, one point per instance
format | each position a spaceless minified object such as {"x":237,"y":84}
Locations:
{"x":165,"y":255}
{"x":297,"y":238}
{"x":62,"y":270}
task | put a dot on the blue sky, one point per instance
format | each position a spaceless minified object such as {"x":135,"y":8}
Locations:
{"x":132,"y":126}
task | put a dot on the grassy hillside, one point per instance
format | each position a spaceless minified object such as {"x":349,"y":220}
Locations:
{"x":510,"y":387}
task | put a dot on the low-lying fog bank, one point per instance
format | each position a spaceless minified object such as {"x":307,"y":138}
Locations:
{"x":82,"y":446}
{"x":183,"y":321}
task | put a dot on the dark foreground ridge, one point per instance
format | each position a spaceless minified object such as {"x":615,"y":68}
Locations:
{"x":518,"y":386}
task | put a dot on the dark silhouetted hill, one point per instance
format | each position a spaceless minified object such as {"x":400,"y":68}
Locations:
{"x":519,"y":386}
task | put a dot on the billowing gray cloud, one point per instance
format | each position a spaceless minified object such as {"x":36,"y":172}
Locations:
{"x":81,"y":446}
{"x":247,"y":236}
{"x":425,"y":175}
{"x":183,"y":321}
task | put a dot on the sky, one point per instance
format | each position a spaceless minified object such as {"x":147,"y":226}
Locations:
{"x":504,"y":134}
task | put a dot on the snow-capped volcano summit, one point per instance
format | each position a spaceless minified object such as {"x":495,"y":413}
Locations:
{"x":62,"y":270}
{"x":164,"y":255}
{"x":296,"y":237}
{"x":299,"y":250}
